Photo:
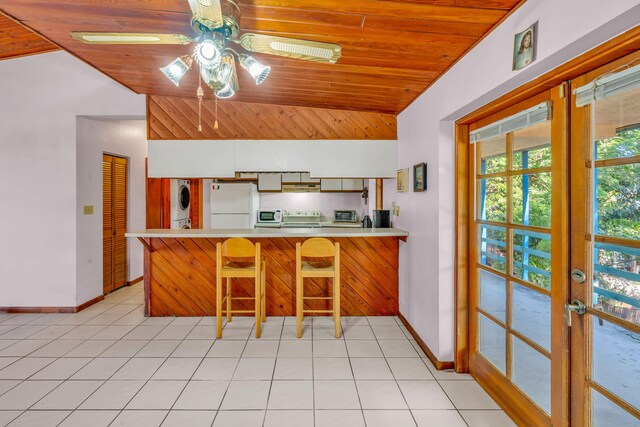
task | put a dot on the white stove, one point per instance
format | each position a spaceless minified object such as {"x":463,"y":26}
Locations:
{"x":301,"y":219}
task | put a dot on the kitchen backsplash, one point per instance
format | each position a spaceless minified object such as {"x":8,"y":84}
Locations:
{"x":324,"y":202}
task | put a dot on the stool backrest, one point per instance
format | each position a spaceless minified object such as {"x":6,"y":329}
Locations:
{"x":237,"y":247}
{"x":318,"y":247}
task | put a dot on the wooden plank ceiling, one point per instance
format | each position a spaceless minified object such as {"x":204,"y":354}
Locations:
{"x":391,"y":50}
{"x":17,"y":40}
{"x":177,"y":118}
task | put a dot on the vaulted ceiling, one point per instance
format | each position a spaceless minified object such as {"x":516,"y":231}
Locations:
{"x":391,"y":50}
{"x":16,"y":40}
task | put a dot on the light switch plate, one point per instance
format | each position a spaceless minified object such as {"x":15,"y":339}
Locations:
{"x":88,"y":210}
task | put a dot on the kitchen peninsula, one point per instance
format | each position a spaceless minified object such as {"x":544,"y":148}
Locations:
{"x":180,"y":270}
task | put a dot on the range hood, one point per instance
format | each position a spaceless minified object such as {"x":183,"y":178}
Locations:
{"x":301,"y":188}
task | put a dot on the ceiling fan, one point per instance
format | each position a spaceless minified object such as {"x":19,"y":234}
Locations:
{"x":216,"y":24}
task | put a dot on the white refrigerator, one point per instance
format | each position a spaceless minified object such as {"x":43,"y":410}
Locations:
{"x":234,"y":205}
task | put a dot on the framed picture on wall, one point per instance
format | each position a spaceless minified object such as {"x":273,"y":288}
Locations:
{"x":524,"y":47}
{"x":419,"y":177}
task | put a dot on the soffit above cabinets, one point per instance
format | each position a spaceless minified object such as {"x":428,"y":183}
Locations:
{"x":391,"y":50}
{"x":177,"y":118}
{"x":16,"y":40}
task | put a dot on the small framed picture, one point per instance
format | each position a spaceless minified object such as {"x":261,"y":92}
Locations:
{"x":524,"y":47}
{"x":402,"y":180}
{"x":419,"y":177}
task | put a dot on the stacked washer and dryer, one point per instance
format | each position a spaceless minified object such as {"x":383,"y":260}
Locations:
{"x":180,"y":203}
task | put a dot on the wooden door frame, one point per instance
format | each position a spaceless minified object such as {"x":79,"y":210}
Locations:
{"x":599,"y":56}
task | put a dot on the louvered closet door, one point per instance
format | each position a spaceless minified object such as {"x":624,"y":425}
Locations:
{"x":107,"y":223}
{"x":114,"y":180}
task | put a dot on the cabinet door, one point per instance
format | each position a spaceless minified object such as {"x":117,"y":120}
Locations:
{"x":291,"y":177}
{"x":331,"y":185}
{"x":352,"y":185}
{"x":269,"y":182}
{"x":306,"y":178}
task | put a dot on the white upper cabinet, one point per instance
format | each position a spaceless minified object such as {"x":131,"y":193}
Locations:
{"x":191,"y":159}
{"x":269,"y":182}
{"x":354,"y":159}
{"x":321,"y":158}
{"x":327,"y":184}
{"x":352,"y":185}
{"x":291,"y":178}
{"x":271,"y":156}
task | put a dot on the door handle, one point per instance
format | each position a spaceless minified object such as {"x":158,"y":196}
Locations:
{"x":577,"y":307}
{"x":578,"y":276}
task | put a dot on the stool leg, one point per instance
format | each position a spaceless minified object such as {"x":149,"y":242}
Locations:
{"x":336,"y":301}
{"x":228,"y":299}
{"x":299,"y":305}
{"x":258,"y":302}
{"x":263,"y":298}
{"x":219,"y":306}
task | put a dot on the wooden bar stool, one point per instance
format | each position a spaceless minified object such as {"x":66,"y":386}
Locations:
{"x":252,"y":266}
{"x":317,"y":247}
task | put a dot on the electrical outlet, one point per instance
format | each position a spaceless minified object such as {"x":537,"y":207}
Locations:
{"x":88,"y":210}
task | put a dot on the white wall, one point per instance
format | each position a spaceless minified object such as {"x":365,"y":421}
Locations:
{"x":124,"y":138}
{"x":566,"y":29}
{"x":41,"y":97}
{"x":324,"y":202}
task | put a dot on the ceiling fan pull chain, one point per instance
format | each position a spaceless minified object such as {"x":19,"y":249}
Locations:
{"x":215,"y":125}
{"x":200,"y":94}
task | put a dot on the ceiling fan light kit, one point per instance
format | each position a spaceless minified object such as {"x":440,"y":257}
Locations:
{"x":258,"y":71}
{"x":216,"y":61}
{"x":177,"y":69}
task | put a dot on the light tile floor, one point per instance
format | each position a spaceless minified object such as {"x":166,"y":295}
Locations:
{"x":110,"y":366}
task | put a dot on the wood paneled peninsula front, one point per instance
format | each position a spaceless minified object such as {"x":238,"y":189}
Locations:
{"x":180,"y":270}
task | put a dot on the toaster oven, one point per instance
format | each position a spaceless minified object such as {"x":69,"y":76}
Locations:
{"x":345,"y":216}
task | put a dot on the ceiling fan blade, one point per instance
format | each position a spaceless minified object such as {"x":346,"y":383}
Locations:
{"x":308,"y":50}
{"x":130,"y":38}
{"x":207,"y":12}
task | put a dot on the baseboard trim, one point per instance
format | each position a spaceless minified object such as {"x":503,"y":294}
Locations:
{"x":52,"y":309}
{"x":134,"y":281}
{"x":440,"y":365}
{"x":89,"y":303}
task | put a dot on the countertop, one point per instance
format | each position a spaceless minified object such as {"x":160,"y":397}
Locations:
{"x":272,"y":232}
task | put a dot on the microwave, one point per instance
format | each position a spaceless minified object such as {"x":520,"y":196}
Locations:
{"x":271,"y":216}
{"x":345,"y":216}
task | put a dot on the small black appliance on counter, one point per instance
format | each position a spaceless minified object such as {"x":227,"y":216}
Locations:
{"x":366,"y":222}
{"x":382,"y":218}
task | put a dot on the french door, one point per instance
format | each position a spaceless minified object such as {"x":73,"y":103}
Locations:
{"x":605,"y":246}
{"x":518,"y":256}
{"x":554,"y":250}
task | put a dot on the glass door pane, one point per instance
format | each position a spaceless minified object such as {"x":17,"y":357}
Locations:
{"x":614,"y":319}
